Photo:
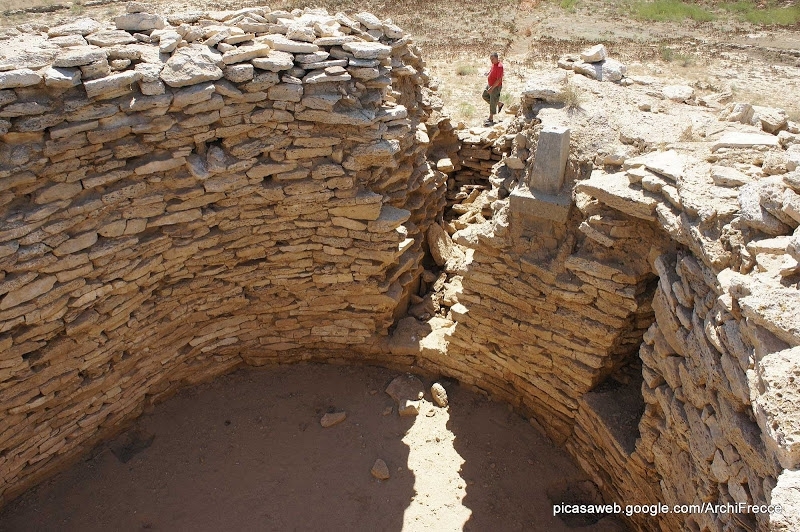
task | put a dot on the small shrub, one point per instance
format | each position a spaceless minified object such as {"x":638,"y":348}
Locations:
{"x":669,"y":55}
{"x":465,"y":70}
{"x":568,"y":5}
{"x":466,"y":110}
{"x":571,"y":97}
{"x":684,"y":60}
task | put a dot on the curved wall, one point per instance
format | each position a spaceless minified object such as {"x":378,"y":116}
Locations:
{"x":178,"y":199}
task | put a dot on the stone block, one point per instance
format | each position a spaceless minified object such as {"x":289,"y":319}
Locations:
{"x":111,"y":86}
{"x":22,"y":77}
{"x":191,"y":65}
{"x":139,"y":22}
{"x":540,"y":204}
{"x":594,"y":54}
{"x":745,"y":140}
{"x":550,"y":160}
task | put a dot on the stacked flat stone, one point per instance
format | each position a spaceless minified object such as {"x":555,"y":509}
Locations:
{"x":651,"y":325}
{"x":180,"y":195}
{"x":720,"y":417}
{"x":560,"y":329}
{"x":594,"y":63}
{"x":479,"y":150}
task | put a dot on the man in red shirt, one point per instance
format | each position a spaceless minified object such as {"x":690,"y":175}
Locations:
{"x":494,"y":85}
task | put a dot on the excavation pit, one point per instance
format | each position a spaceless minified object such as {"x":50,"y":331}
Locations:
{"x":247,"y":452}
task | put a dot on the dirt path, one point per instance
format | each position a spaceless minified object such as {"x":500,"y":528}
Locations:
{"x":247,"y":452}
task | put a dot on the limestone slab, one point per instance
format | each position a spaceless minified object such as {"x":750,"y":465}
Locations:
{"x":594,"y":54}
{"x":615,"y":191}
{"x":283,"y":44}
{"x":110,"y":38}
{"x":275,"y":61}
{"x":111,"y":86}
{"x":744,"y":140}
{"x":368,"y":50}
{"x":540,"y":204}
{"x":139,"y":22}
{"x":191,"y":65}
{"x":82,"y":26}
{"x":245,"y":53}
{"x":21,"y":77}
{"x":550,"y":160}
{"x":62,"y":78}
{"x":776,"y":404}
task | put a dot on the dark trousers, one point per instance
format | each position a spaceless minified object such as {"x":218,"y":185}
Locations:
{"x":492,"y":96}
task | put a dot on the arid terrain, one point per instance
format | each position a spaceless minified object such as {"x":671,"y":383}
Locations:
{"x":247,"y":451}
{"x":757,"y":63}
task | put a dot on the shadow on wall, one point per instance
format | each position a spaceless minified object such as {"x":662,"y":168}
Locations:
{"x":528,"y":462}
{"x":247,"y":452}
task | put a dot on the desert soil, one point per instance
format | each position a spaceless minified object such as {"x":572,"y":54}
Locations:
{"x":247,"y":452}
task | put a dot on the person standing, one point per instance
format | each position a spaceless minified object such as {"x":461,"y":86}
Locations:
{"x":494,"y":84}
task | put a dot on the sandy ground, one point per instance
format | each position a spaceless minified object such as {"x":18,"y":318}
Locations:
{"x":247,"y":452}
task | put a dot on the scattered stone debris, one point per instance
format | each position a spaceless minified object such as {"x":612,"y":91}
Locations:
{"x":595,"y":63}
{"x":407,"y":391}
{"x":332,"y":418}
{"x":380,"y":470}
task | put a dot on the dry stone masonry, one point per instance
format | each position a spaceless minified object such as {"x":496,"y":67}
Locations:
{"x":641,"y":299}
{"x":185,"y":194}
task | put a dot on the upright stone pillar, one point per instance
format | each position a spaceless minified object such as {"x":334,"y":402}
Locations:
{"x":550,"y":161}
{"x":538,"y":208}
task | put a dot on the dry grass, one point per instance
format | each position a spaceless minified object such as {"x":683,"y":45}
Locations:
{"x":455,"y":39}
{"x":479,"y":25}
{"x":8,"y":5}
{"x":571,"y":96}
{"x":466,"y":70}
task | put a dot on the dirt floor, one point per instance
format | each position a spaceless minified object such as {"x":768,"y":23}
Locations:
{"x":247,"y":452}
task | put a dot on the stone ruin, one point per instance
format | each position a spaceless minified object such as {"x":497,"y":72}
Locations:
{"x":184,"y":195}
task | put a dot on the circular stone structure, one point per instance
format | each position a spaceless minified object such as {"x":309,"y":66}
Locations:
{"x":248,"y":452}
{"x":183,"y":195}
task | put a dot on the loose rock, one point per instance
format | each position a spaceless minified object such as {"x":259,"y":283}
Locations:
{"x":439,"y":395}
{"x":332,"y":418}
{"x":380,"y":470}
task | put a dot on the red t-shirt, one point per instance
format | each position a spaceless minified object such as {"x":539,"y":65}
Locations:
{"x":496,"y":74}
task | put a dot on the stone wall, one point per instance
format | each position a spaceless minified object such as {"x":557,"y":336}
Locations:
{"x":645,"y":318}
{"x":183,"y":195}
